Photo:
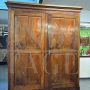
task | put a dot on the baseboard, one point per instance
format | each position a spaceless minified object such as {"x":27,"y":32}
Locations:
{"x":85,"y":78}
{"x":3,"y":63}
{"x":66,"y":88}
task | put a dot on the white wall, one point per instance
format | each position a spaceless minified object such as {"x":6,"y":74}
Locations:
{"x":85,"y":62}
{"x":85,"y":16}
{"x":84,"y":67}
{"x":83,"y":3}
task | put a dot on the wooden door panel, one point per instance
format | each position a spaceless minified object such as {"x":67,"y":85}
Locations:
{"x":62,"y":34}
{"x":29,"y":51}
{"x":62,"y":69}
{"x":63,"y":51}
{"x":29,"y":26}
{"x":29,"y":70}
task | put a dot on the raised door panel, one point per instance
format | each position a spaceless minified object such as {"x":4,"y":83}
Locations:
{"x":63,"y":70}
{"x":62,"y":56}
{"x":62,"y":33}
{"x":28,"y":32}
{"x":28,"y":55}
{"x":29,"y":71}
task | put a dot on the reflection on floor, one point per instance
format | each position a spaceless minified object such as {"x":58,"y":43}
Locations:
{"x":84,"y":83}
{"x":3,"y":77}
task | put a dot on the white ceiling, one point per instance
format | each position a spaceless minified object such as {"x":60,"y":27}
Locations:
{"x":83,"y":3}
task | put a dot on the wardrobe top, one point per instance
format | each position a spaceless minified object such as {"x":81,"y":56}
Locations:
{"x":13,"y":4}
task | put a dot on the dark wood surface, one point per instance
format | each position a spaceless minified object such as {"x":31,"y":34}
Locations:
{"x":43,"y":47}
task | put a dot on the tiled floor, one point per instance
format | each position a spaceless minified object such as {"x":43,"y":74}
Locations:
{"x":84,"y":83}
{"x":3,"y":77}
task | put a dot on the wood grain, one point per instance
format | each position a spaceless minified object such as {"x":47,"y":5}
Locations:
{"x":43,"y":47}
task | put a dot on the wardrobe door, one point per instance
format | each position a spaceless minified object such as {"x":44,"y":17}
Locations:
{"x":62,"y":48}
{"x":28,"y":47}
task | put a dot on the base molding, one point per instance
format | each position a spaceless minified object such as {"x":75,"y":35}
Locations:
{"x":66,"y":88}
{"x":3,"y":63}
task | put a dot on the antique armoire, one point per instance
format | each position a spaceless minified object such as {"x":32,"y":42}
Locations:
{"x":43,"y":47}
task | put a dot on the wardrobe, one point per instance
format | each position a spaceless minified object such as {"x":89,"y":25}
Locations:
{"x":43,"y":46}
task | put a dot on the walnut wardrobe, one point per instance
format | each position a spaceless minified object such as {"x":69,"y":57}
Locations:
{"x":43,"y":47}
